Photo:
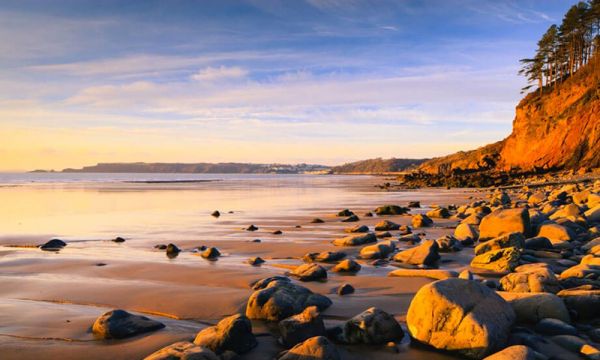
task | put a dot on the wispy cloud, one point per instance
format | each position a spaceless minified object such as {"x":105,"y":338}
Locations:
{"x":211,"y":74}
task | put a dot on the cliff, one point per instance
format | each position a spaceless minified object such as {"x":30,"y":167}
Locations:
{"x":559,"y":129}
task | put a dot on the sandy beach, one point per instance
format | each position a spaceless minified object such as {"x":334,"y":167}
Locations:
{"x":49,"y":300}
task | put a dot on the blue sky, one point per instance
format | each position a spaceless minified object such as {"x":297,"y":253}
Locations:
{"x":321,"y":81}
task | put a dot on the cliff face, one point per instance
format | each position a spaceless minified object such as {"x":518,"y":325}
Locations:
{"x":559,"y":129}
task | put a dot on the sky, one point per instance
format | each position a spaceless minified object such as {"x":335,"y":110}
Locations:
{"x":289,"y":81}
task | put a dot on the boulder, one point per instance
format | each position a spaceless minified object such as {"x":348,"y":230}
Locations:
{"x":516,"y":240}
{"x":233,"y":333}
{"x":345,"y":289}
{"x":593,"y":214}
{"x":465,"y":232}
{"x":357,"y":229}
{"x":309,"y":272}
{"x":53,"y":245}
{"x":462,"y":316}
{"x":172,"y":250}
{"x":557,"y":234}
{"x":533,"y":307}
{"x":427,"y":273}
{"x":216,"y":213}
{"x":347,"y":265}
{"x":502,"y":260}
{"x":569,"y":210}
{"x":325,"y":256}
{"x":277,"y":298}
{"x":252,"y":228}
{"x":421,"y":220}
{"x":372,"y":326}
{"x":377,"y":251}
{"x":414,"y":204}
{"x":391,"y":210}
{"x":300,"y":327}
{"x":473,"y":219}
{"x":255,"y":261}
{"x":535,"y":280}
{"x":211,"y":253}
{"x":386,"y":225}
{"x":580,"y":271}
{"x":448,"y":243}
{"x":516,"y":352}
{"x":503,"y":222}
{"x":352,"y":218}
{"x":316,"y":348}
{"x":316,"y":221}
{"x":555,"y":327}
{"x":345,"y":213}
{"x":585,"y":303}
{"x":537,"y":243}
{"x":355,"y":240}
{"x":183,"y":350}
{"x":440,"y":213}
{"x":119,"y":324}
{"x":424,"y":254}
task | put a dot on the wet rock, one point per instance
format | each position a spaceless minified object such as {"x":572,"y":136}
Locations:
{"x":391,"y":210}
{"x":325,"y":256}
{"x":172,"y":250}
{"x":345,"y":213}
{"x":383,"y":234}
{"x":252,"y":228}
{"x":277,"y":298}
{"x":183,"y":350}
{"x":277,"y":232}
{"x":421,"y":220}
{"x":503,"y":222}
{"x":466,"y":232}
{"x":53,"y":245}
{"x":368,"y":214}
{"x":386,"y":225}
{"x":502,"y":260}
{"x":298,"y":328}
{"x":216,"y":213}
{"x":516,"y":240}
{"x":533,"y":307}
{"x":316,"y":221}
{"x":439,"y":213}
{"x":462,"y":316}
{"x":357,"y":229}
{"x":119,"y":324}
{"x":428,"y":273}
{"x":118,"y":239}
{"x":255,"y":261}
{"x":424,"y":254}
{"x":569,"y":342}
{"x":316,"y":348}
{"x":373,"y":326}
{"x":347,"y":265}
{"x":355,"y":240}
{"x":554,"y":327}
{"x":345,"y":289}
{"x":352,"y":218}
{"x":160,"y":247}
{"x":377,"y":251}
{"x":233,"y":333}
{"x":211,"y":253}
{"x":309,"y":272}
{"x":516,"y":352}
{"x":414,"y":204}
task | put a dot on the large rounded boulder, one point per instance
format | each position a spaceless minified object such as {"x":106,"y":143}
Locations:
{"x":503,"y":222}
{"x":233,"y":333}
{"x":461,"y":316}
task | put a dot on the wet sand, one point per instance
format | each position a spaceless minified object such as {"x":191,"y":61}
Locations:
{"x":49,"y":300}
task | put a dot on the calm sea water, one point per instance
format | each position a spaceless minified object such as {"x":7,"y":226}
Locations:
{"x":102,"y":206}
